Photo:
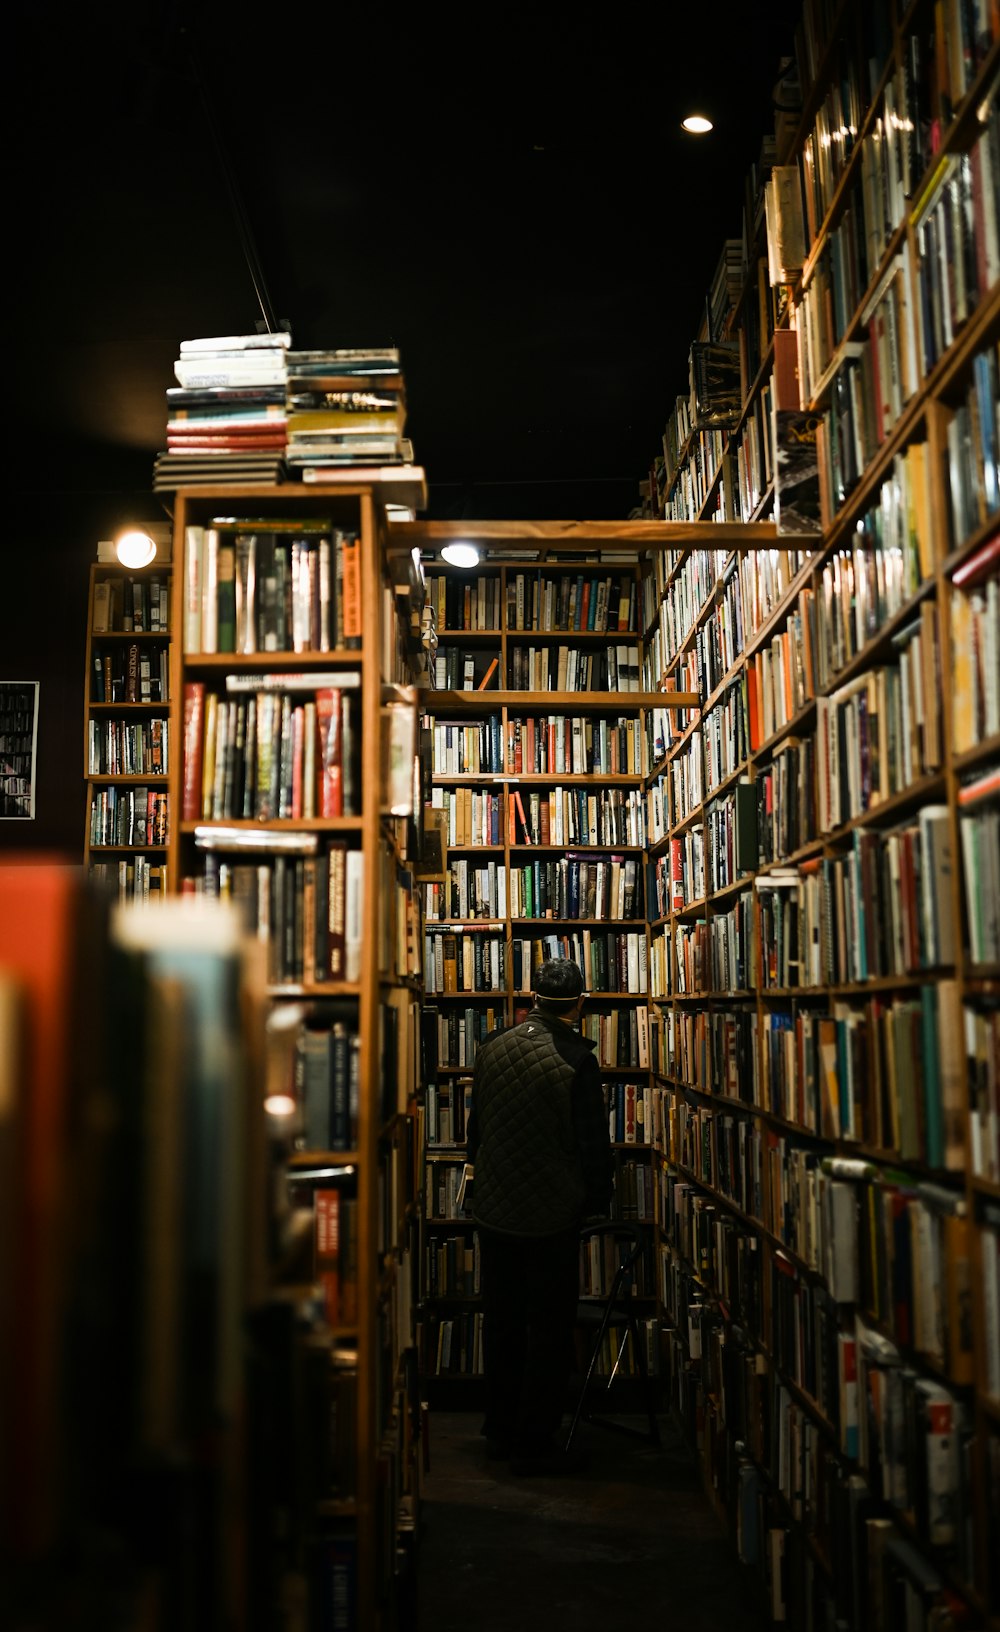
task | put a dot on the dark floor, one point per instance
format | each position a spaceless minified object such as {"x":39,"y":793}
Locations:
{"x":633,"y":1534}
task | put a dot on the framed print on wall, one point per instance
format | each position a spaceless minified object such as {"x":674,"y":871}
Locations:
{"x":18,"y":748}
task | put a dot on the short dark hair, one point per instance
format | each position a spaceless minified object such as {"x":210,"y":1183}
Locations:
{"x":558,"y":983}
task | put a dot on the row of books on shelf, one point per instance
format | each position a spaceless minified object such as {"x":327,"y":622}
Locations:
{"x":707,"y":956}
{"x":601,"y":604}
{"x":571,"y":668}
{"x":288,"y":585}
{"x":269,"y":756}
{"x":128,"y":747}
{"x":466,"y":960}
{"x":574,"y":601}
{"x":452,"y":1266}
{"x":575,"y":817}
{"x":305,"y":903}
{"x":131,"y":672}
{"x":573,"y":745}
{"x":133,"y":816}
{"x":576,"y":886}
{"x":446,"y":1112}
{"x":326,"y":1075}
{"x":130,"y":604}
{"x":900,"y":1075}
{"x":135,"y":879}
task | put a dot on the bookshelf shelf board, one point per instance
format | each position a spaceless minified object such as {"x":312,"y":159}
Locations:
{"x":789,"y":728}
{"x":535,"y":778}
{"x":633,"y":1145}
{"x":738,"y":774}
{"x":689,"y":907}
{"x":630,"y":923}
{"x":731,"y":1206}
{"x":573,"y":846}
{"x":983,"y":973}
{"x":129,"y":635}
{"x":560,"y":702}
{"x":279,"y":825}
{"x":493,"y":995}
{"x":127,"y":849}
{"x":481,"y":635}
{"x":251,"y":662}
{"x":465,"y":923}
{"x":449,"y":1223}
{"x":799,"y":1393}
{"x":490,"y":849}
{"x":129,"y":708}
{"x":322,"y":1158}
{"x":880,"y":642}
{"x":450,"y":1070}
{"x":314,"y":988}
{"x":337,"y":1507}
{"x":989,"y":748}
{"x":572,"y":637}
{"x":704,"y":997}
{"x":918,"y":793}
{"x":623,"y":1070}
{"x":734,"y":888}
{"x":134,"y":779}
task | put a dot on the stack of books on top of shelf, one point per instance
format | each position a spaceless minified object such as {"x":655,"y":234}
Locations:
{"x":346,"y":416}
{"x":226,"y":416}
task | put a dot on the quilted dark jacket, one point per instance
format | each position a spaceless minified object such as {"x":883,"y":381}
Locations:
{"x":538,"y":1131}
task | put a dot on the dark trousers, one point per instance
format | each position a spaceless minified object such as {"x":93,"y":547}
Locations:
{"x":530,"y":1292}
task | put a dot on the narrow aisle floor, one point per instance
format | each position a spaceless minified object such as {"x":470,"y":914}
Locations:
{"x":634,"y":1533}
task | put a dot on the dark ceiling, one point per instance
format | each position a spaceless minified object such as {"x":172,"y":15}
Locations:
{"x":507,"y":197}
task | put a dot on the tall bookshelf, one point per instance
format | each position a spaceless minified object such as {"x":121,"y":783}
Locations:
{"x":826,"y":975}
{"x":127,"y":729}
{"x":293,"y":789}
{"x":512,"y":799}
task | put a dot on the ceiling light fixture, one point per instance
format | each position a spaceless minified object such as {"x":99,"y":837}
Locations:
{"x":696,"y":124}
{"x":134,"y":548}
{"x":460,"y":555}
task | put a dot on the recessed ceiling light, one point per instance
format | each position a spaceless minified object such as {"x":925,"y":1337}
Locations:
{"x":696,"y":124}
{"x":460,"y":555}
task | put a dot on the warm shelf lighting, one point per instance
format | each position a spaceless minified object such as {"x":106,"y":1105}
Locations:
{"x":280,"y":1105}
{"x":696,"y":124}
{"x":135,"y":548}
{"x":460,"y":555}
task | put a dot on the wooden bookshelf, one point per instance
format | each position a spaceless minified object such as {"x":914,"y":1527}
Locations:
{"x":128,"y":734}
{"x":758,"y":1131}
{"x":301,"y":827}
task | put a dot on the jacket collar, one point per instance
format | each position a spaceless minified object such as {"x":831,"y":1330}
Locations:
{"x":559,"y":1029}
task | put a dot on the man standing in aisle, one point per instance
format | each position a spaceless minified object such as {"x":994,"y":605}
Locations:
{"x":538,"y":1136}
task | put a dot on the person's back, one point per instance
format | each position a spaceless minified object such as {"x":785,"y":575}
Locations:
{"x":538,"y":1137}
{"x":526,"y":1141}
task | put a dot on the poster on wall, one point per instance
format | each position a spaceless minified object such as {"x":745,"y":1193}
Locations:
{"x":18,"y":749}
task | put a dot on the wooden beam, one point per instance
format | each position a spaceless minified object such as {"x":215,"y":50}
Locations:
{"x":554,"y":701}
{"x":557,"y":537}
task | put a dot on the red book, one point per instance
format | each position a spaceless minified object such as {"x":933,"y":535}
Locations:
{"x":331,"y":765}
{"x":326,"y":1218}
{"x":520,"y":811}
{"x":980,"y":564}
{"x":194,"y":720}
{"x":676,"y":875}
